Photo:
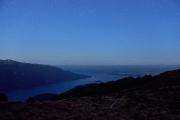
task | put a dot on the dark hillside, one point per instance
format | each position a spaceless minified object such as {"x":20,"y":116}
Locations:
{"x":146,"y":98}
{"x":16,"y":75}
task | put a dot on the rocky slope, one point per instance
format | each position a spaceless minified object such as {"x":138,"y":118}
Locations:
{"x":146,"y":98}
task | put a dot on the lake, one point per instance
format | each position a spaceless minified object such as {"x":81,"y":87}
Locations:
{"x":98,"y":74}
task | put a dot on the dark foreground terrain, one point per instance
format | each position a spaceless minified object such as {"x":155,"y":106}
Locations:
{"x":146,"y":98}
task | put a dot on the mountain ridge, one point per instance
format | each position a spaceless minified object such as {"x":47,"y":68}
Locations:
{"x":17,"y":75}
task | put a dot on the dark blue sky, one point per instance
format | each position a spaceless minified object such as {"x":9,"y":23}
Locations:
{"x":90,"y":31}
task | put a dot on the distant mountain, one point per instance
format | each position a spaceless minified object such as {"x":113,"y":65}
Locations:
{"x":16,"y":75}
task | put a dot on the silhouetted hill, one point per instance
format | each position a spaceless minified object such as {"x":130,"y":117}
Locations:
{"x":142,"y":98}
{"x":3,"y":97}
{"x":43,"y":97}
{"x":16,"y":75}
{"x":169,"y":78}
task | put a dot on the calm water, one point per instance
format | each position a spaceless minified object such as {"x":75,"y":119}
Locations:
{"x":98,"y":73}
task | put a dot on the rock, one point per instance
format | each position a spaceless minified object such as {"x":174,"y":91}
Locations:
{"x":42,"y":97}
{"x":3,"y":97}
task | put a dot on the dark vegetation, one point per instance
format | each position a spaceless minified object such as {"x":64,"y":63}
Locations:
{"x":106,"y":88}
{"x":142,"y":98}
{"x":16,"y":75}
{"x":42,"y":97}
{"x":167,"y":79}
{"x":3,"y":98}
